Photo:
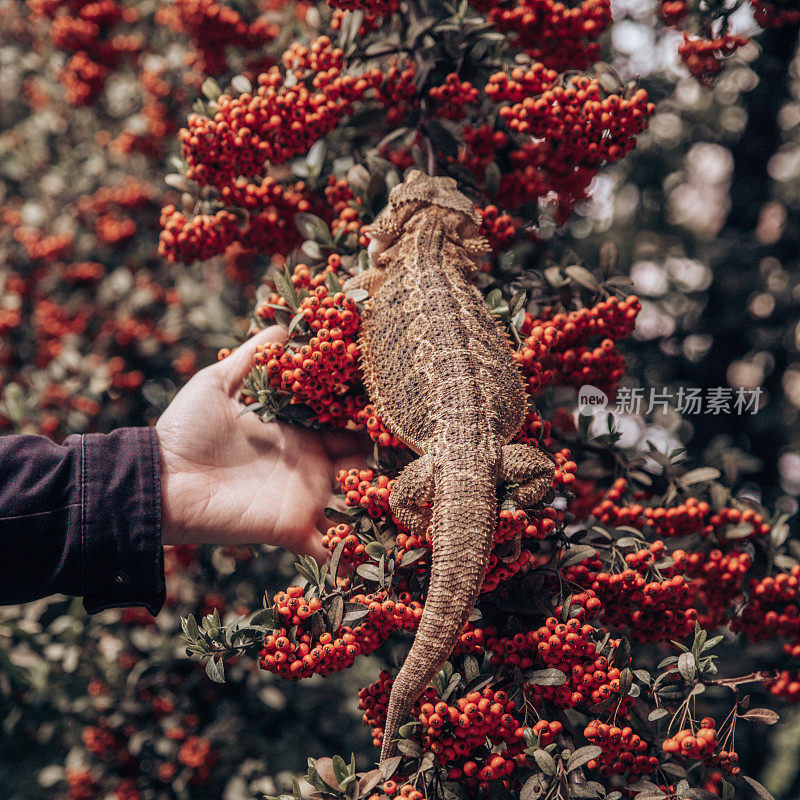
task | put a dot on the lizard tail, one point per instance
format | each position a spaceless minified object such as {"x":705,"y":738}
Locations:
{"x":464,"y":523}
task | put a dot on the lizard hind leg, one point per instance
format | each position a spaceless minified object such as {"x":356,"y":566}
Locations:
{"x":533,"y":473}
{"x":410,"y":500}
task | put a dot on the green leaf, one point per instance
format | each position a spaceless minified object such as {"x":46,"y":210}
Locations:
{"x":758,"y":788}
{"x":285,"y":288}
{"x":687,"y":666}
{"x":251,"y":409}
{"x":332,"y":283}
{"x":389,"y":766}
{"x":741,"y":531}
{"x":335,"y":613}
{"x":582,"y":277}
{"x":369,"y":572}
{"x":340,"y":769}
{"x":452,"y":685}
{"x":765,"y":715}
{"x":312,"y":227}
{"x":471,"y":668}
{"x":442,"y":139}
{"x":547,"y":677}
{"x":211,"y":89}
{"x":577,"y":554}
{"x":582,"y":756}
{"x":494,"y":299}
{"x":409,"y":748}
{"x":407,"y":730}
{"x":728,"y":792}
{"x":531,"y":788}
{"x":337,"y":555}
{"x":215,"y":670}
{"x":622,"y":655}
{"x":267,"y":617}
{"x":347,"y":517}
{"x":545,"y":762}
{"x":369,"y":781}
{"x":240,"y":84}
{"x":353,"y":613}
{"x":657,"y":714}
{"x":357,"y":295}
{"x":192,"y":631}
{"x":295,"y":321}
{"x":625,"y":682}
{"x":491,"y":179}
{"x":376,"y":550}
{"x":411,"y":556}
{"x":701,"y":475}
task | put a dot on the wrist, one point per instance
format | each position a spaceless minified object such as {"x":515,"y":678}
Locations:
{"x":173,"y":530}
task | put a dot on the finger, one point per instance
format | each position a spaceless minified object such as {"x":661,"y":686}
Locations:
{"x":234,"y":368}
{"x":323,"y":523}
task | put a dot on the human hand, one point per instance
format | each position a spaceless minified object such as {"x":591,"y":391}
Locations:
{"x":227,"y":479}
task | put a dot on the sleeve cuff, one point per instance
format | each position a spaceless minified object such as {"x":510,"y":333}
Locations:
{"x":123,"y":556}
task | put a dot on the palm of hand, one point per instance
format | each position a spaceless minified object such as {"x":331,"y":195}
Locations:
{"x":235,"y":480}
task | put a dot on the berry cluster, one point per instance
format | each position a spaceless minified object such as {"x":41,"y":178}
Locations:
{"x":268,"y":209}
{"x":786,"y":685}
{"x":772,"y":608}
{"x":624,"y":752}
{"x":704,"y":57}
{"x":304,"y":282}
{"x":576,"y":126}
{"x":211,"y":27}
{"x":302,"y":653}
{"x":650,"y":610}
{"x":279,"y":121}
{"x":561,"y":36}
{"x":701,"y":745}
{"x":90,"y":31}
{"x":377,"y":8}
{"x":320,"y":372}
{"x":693,"y":516}
{"x":361,"y":488}
{"x":567,"y":360}
{"x":459,"y":731}
{"x":775,"y":14}
{"x":452,"y":98}
{"x":353,"y":551}
{"x":714,"y":579}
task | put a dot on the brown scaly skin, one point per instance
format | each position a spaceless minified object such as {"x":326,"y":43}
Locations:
{"x":441,"y":374}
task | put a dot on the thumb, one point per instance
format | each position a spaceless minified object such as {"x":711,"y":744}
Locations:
{"x":233,"y":369}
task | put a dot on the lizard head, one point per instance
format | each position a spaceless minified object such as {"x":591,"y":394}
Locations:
{"x":418,"y":191}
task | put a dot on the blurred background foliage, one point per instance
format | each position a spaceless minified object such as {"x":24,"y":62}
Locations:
{"x":96,"y":332}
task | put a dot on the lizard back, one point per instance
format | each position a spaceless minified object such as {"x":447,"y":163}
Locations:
{"x":435,"y":359}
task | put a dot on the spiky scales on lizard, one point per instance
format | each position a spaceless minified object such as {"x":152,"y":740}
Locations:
{"x":441,"y":374}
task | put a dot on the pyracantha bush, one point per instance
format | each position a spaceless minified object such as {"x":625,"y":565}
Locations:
{"x":590,"y":665}
{"x":592,"y":652}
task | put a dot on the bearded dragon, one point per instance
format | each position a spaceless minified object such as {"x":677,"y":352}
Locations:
{"x":440,"y":372}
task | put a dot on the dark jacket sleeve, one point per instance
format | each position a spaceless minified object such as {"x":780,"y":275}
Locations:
{"x":82,"y":518}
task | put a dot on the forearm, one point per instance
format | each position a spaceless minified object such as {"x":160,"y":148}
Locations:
{"x":82,"y":518}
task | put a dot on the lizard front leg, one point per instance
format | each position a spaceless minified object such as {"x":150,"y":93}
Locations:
{"x":412,"y":493}
{"x":533,"y":473}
